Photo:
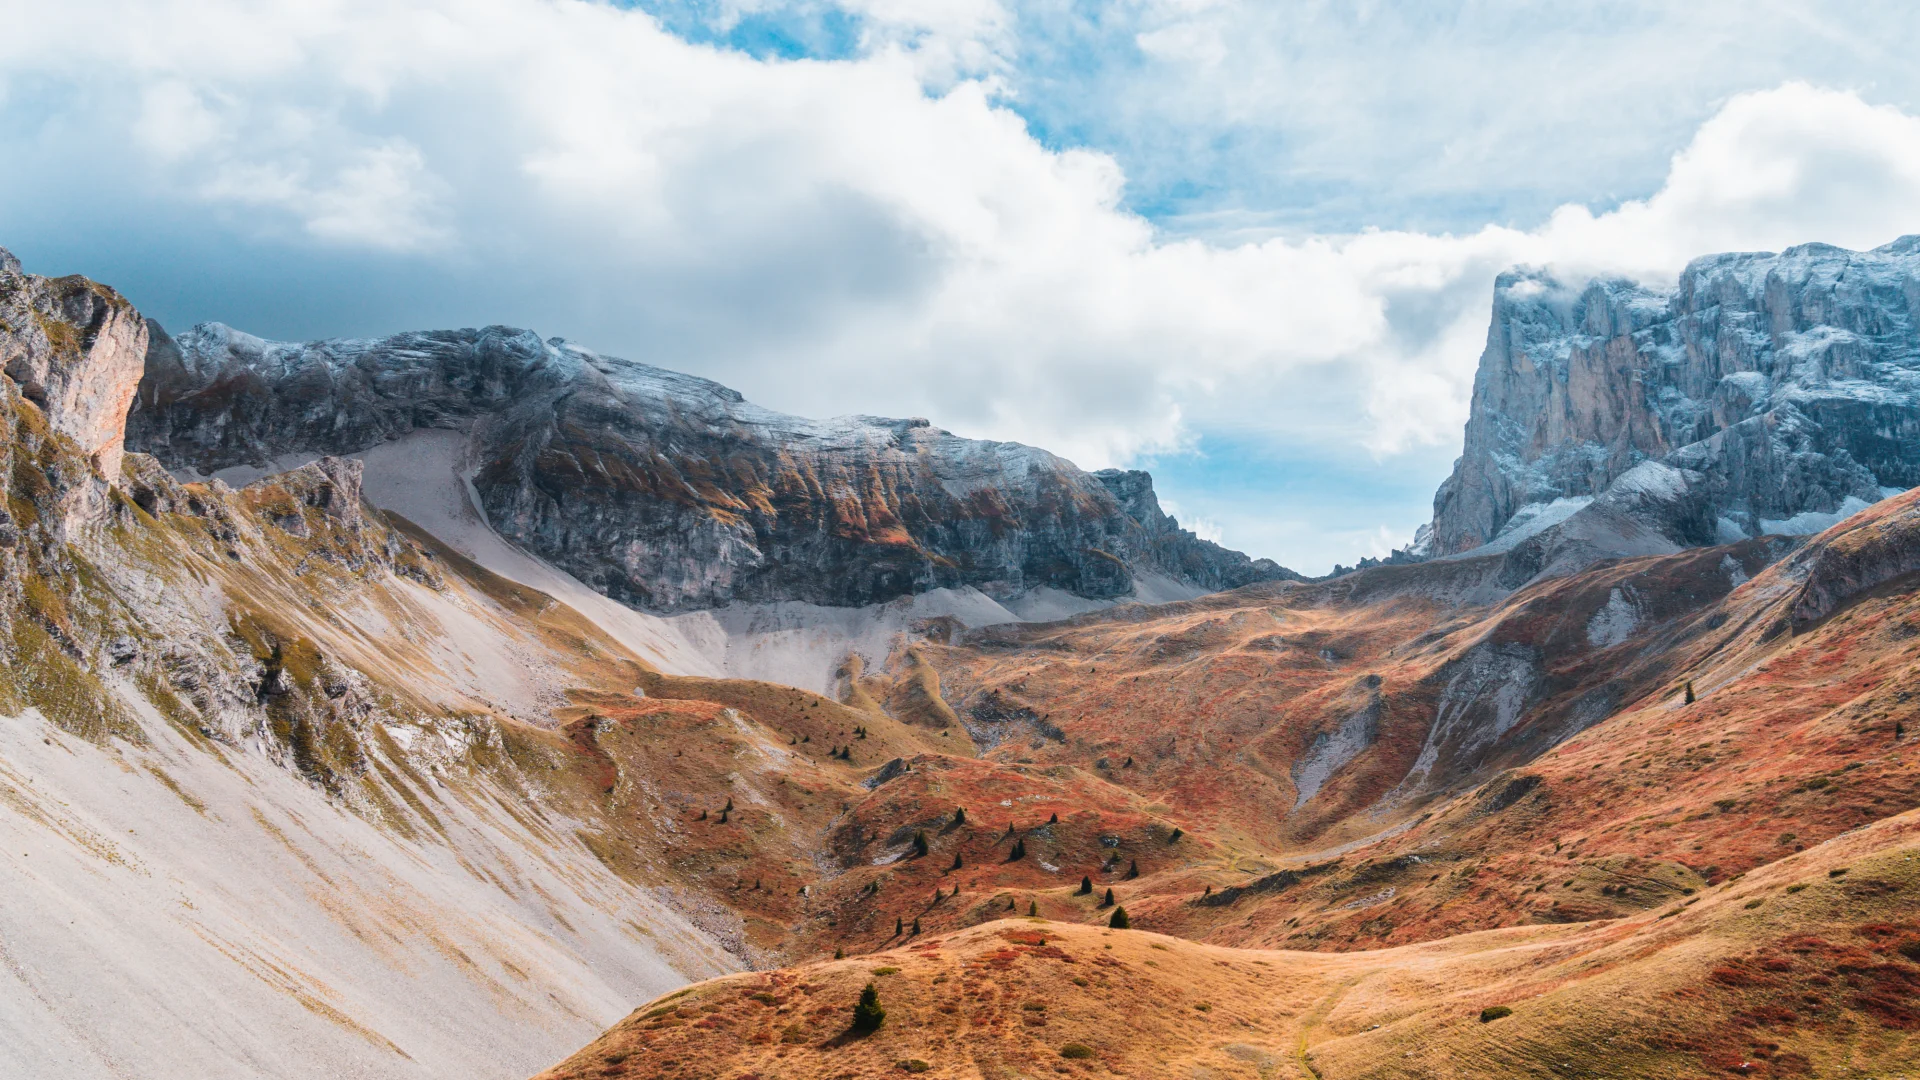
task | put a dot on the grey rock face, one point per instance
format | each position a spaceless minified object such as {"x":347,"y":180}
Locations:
{"x":76,"y":349}
{"x":670,"y":492}
{"x":1784,"y":390}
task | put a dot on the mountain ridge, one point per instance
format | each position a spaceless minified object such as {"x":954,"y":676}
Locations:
{"x":673,"y":493}
{"x":1784,"y":387}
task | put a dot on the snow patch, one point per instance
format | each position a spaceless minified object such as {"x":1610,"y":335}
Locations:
{"x":803,"y":645}
{"x":1662,"y":483}
{"x":1331,"y":750}
{"x":1808,"y":522}
{"x":1615,"y":622}
{"x":1736,"y":574}
{"x":1529,"y":521}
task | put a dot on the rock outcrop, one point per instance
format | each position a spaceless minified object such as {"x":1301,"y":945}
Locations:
{"x":670,"y":492}
{"x":1782,"y":391}
{"x":76,"y":349}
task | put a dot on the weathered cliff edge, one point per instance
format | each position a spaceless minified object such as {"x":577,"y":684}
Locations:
{"x":1763,"y":393}
{"x":670,"y":492}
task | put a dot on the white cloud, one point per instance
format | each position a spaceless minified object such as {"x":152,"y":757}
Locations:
{"x":829,"y":236}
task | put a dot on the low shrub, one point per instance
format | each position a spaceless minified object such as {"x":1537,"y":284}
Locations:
{"x":1077,"y":1051}
{"x":1494,"y":1012}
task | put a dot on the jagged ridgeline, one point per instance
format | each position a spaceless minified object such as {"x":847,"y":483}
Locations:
{"x":672,"y":493}
{"x":1762,"y":394}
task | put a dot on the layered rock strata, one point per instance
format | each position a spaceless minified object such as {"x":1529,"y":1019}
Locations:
{"x":670,"y":492}
{"x":76,"y":349}
{"x":1784,"y":388}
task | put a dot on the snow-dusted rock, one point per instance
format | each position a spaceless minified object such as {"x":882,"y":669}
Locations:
{"x":1783,"y":391}
{"x":670,"y":492}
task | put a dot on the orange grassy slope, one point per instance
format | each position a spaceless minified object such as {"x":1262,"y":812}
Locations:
{"x":1529,"y":761}
{"x":1811,"y":966}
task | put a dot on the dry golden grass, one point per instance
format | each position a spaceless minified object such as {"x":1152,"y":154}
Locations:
{"x":1807,"y":982}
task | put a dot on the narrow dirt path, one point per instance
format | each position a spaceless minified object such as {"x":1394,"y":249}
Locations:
{"x":1317,"y":1014}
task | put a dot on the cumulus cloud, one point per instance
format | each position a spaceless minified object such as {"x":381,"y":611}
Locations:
{"x":881,"y":233}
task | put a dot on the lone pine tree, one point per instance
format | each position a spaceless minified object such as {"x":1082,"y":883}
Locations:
{"x":867,"y":1013}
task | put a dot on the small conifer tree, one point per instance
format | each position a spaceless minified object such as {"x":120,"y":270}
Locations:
{"x":1177,"y":834}
{"x":1689,"y":691}
{"x":1133,"y":869}
{"x":1119,"y":919}
{"x":729,"y":805}
{"x":899,"y":926}
{"x":839,"y":954}
{"x":1108,"y":902}
{"x":956,"y":861}
{"x":1086,"y":886}
{"x":1054,"y":820}
{"x":1033,"y":908}
{"x":959,"y":815}
{"x":920,"y":842}
{"x":916,"y":927}
{"x":867,"y":1014}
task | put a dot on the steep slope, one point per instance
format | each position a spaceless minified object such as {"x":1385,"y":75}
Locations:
{"x":1369,"y":761}
{"x":671,"y":493}
{"x":1784,"y":389}
{"x":272,"y":791}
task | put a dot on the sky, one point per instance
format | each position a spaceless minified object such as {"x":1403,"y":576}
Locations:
{"x":1247,"y":245}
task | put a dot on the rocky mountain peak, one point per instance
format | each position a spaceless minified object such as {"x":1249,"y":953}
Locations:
{"x":76,"y":349}
{"x":1783,"y":388}
{"x":671,"y":492}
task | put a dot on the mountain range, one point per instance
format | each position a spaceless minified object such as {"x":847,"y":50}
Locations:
{"x":463,"y":702}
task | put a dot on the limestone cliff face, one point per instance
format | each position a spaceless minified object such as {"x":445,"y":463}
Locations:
{"x":76,"y":349}
{"x":670,"y":492}
{"x":1788,"y":384}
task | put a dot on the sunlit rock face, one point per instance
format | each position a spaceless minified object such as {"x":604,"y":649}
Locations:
{"x":671,"y":492}
{"x":1783,"y":389}
{"x":76,"y":349}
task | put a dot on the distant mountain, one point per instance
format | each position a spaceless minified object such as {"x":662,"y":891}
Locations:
{"x":1761,"y":394}
{"x":672,"y":493}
